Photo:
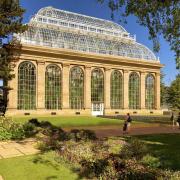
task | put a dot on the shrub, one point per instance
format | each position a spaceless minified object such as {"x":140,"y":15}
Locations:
{"x":50,"y":138}
{"x":93,"y":168}
{"x":46,"y":124}
{"x":17,"y":131}
{"x":10,"y":130}
{"x":30,"y":129}
{"x":35,"y":122}
{"x":76,"y":152}
{"x":113,"y":167}
{"x":134,"y":149}
{"x":4,"y":134}
{"x":82,"y":134}
{"x":47,"y":144}
{"x":115,"y":145}
{"x":151,"y":161}
{"x":170,"y":175}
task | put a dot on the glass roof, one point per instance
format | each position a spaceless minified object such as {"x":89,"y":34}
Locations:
{"x":61,"y":29}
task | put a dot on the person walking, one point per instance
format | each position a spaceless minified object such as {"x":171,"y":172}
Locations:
{"x":178,"y":120}
{"x":129,"y":120}
{"x":125,"y":127}
{"x":172,"y":119}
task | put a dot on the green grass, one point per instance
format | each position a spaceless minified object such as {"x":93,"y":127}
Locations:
{"x":35,"y":167}
{"x":166,"y":147}
{"x":79,"y":121}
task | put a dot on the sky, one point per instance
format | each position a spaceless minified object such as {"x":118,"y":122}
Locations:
{"x":92,"y":8}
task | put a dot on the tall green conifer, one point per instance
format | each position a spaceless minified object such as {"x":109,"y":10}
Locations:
{"x":11,"y":16}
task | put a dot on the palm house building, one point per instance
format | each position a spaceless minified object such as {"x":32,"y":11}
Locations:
{"x":72,"y":64}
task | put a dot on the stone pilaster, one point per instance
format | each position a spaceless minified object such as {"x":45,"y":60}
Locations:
{"x":142,"y":101}
{"x":126,"y":90}
{"x":157,"y":91}
{"x":40,"y":85}
{"x":87,"y":88}
{"x":65,"y":86}
{"x":13,"y":93}
{"x":107,"y":89}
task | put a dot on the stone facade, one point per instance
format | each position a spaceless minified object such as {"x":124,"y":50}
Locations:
{"x":41,"y":57}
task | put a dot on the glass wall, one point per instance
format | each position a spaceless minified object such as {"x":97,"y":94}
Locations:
{"x":53,"y":87}
{"x":116,"y":90}
{"x":76,"y":88}
{"x":134,"y":91}
{"x":97,"y":86}
{"x":150,"y":91}
{"x":27,"y":86}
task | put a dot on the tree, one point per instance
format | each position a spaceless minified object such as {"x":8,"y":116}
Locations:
{"x":11,"y":15}
{"x":161,"y":17}
{"x":164,"y":90}
{"x":174,"y":94}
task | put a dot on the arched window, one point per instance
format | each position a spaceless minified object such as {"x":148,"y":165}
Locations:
{"x":134,"y":91}
{"x":76,"y":88}
{"x":150,"y":94}
{"x":27,"y":86}
{"x":97,"y":86}
{"x":116,"y":90}
{"x":53,"y":87}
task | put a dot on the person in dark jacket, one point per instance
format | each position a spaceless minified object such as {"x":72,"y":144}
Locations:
{"x":125,"y":126}
{"x":129,"y":120}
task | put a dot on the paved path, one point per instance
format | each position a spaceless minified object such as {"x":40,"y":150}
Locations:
{"x":107,"y":131}
{"x":10,"y":149}
{"x":136,"y":131}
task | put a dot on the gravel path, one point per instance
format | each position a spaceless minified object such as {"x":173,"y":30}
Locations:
{"x":106,"y":131}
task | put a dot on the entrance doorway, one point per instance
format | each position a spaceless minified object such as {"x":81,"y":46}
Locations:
{"x":97,"y":109}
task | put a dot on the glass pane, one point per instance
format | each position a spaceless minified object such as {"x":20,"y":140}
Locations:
{"x":76,"y":88}
{"x":150,"y":91}
{"x":26,"y":86}
{"x":116,"y":90}
{"x":97,"y":86}
{"x":134,"y":91}
{"x":53,"y":87}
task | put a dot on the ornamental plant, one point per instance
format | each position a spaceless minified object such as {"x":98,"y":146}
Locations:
{"x":10,"y":130}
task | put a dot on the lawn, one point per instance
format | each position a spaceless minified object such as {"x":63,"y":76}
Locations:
{"x":36,"y":167}
{"x":166,"y":147}
{"x":73,"y":121}
{"x":77,"y":121}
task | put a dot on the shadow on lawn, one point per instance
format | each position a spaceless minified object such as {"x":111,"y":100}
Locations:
{"x":54,"y":164}
{"x":38,"y":159}
{"x":51,"y":177}
{"x":166,"y":147}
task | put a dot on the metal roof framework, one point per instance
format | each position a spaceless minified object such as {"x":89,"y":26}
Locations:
{"x":61,"y":29}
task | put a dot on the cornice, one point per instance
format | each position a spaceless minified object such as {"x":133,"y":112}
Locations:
{"x":65,"y":54}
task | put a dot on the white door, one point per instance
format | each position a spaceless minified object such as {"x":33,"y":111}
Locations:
{"x":97,"y":109}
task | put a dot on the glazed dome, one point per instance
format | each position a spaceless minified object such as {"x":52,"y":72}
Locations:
{"x":62,"y":29}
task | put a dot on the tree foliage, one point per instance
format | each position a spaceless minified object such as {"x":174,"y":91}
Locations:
{"x":11,"y":16}
{"x":164,"y":90}
{"x":174,"y":94}
{"x":161,"y":17}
